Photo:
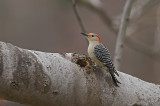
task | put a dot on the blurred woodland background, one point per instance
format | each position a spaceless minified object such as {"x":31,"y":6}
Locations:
{"x":51,"y":26}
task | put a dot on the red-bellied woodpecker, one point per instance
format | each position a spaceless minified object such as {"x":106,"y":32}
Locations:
{"x":100,"y":55}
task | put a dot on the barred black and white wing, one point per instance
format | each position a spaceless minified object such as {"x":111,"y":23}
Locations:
{"x":103,"y":55}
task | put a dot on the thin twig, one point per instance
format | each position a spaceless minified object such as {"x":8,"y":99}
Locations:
{"x":100,"y":11}
{"x":78,"y":16}
{"x":122,"y":33}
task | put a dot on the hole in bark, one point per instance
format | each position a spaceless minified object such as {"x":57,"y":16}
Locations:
{"x":83,"y":62}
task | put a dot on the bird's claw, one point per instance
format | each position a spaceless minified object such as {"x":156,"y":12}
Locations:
{"x":90,"y":68}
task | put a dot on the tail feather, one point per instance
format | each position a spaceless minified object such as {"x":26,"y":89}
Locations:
{"x":114,"y":79}
{"x":115,"y":71}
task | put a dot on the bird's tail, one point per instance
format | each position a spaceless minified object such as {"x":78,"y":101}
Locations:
{"x":114,"y":79}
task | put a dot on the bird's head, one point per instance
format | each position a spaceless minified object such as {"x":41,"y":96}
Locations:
{"x":92,"y":37}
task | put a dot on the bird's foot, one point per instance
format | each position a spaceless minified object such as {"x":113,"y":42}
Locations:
{"x":90,"y":68}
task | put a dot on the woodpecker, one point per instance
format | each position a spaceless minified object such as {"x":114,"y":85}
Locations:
{"x":100,"y":55}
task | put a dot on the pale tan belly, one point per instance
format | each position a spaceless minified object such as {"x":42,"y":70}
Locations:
{"x":94,"y":59}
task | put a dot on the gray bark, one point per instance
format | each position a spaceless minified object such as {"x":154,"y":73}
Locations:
{"x":53,"y":79}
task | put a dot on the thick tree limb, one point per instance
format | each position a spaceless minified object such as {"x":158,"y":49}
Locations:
{"x":53,"y":79}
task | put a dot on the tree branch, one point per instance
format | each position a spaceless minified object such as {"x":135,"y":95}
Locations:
{"x":136,"y":13}
{"x":78,"y":16}
{"x":122,"y":33}
{"x":99,"y":10}
{"x":39,"y":78}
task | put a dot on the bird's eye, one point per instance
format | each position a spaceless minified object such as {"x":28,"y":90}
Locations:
{"x":92,"y":35}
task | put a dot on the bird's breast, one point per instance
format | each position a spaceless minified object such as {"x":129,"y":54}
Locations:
{"x":92,"y":55}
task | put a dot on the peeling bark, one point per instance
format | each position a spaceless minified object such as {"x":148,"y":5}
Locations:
{"x":60,"y":79}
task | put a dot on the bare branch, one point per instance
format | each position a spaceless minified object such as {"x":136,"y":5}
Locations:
{"x":53,"y":79}
{"x":78,"y":16}
{"x":122,"y":33}
{"x":99,"y":10}
{"x":136,"y":13}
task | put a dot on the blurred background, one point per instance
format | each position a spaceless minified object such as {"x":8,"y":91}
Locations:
{"x":51,"y":26}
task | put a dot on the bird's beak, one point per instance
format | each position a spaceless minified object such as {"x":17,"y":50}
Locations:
{"x":84,"y":34}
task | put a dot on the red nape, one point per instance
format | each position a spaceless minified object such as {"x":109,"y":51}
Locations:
{"x":99,"y":39}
